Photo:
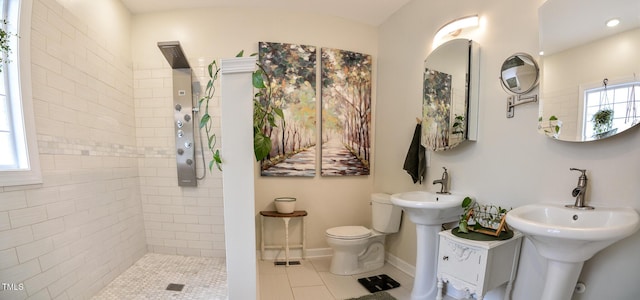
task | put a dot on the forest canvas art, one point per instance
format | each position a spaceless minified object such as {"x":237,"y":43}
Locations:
{"x":346,"y":112}
{"x":292,"y":69}
{"x":436,"y":109}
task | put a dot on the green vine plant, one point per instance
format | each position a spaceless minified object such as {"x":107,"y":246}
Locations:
{"x":553,"y":127}
{"x":5,"y":43}
{"x":264,"y":112}
{"x":205,"y":121}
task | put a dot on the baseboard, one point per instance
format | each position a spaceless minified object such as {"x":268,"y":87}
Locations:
{"x":278,"y":254}
{"x":402,"y":265}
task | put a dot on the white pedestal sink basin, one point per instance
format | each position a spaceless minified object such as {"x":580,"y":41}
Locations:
{"x":568,"y":237}
{"x":428,"y":211}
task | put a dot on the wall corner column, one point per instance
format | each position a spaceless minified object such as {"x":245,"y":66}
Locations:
{"x":238,"y":176}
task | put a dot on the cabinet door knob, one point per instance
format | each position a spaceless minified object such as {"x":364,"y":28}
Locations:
{"x":445,"y":258}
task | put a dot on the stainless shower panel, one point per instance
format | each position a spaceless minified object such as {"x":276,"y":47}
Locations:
{"x":183,"y":122}
{"x":184,"y":126}
{"x":172,"y":51}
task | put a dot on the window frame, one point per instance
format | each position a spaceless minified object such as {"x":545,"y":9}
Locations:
{"x":32,"y":174}
{"x":613,"y":86}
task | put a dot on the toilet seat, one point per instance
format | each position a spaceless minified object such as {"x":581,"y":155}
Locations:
{"x":348,"y":232}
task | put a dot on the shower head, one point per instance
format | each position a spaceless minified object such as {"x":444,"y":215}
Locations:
{"x":172,"y":51}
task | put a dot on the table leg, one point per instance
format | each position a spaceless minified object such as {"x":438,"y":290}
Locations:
{"x":286,"y":241}
{"x":304,"y":237}
{"x":261,"y":237}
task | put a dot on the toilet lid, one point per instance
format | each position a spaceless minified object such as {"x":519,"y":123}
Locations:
{"x":349,"y":232}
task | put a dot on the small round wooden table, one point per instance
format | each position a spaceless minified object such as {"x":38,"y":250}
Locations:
{"x":286,"y":218}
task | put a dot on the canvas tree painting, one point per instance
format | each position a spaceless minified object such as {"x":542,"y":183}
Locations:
{"x":346,"y":112}
{"x":292,"y":69}
{"x":436,"y":110}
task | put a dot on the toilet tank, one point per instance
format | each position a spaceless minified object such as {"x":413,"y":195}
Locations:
{"x":384,"y":215}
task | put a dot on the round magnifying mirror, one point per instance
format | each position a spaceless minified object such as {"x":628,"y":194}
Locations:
{"x":519,"y":73}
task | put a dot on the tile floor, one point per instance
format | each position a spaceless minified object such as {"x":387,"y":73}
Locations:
{"x":148,"y":278}
{"x":312,"y":281}
{"x":205,"y":278}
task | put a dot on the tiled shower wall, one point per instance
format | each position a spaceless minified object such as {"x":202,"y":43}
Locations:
{"x":178,"y":220}
{"x":70,"y":236}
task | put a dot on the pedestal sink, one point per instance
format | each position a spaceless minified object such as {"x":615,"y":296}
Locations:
{"x":428,"y":211}
{"x":568,"y":237}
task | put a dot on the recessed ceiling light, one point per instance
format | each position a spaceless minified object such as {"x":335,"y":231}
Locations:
{"x":541,"y":53}
{"x":613,"y":23}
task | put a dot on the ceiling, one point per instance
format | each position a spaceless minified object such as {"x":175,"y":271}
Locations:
{"x":568,"y":23}
{"x":372,"y":12}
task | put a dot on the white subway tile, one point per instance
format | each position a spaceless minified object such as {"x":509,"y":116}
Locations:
{"x":47,"y":228}
{"x":8,"y":258}
{"x":185,"y":219}
{"x":4,"y":221}
{"x":40,"y":281}
{"x":34,"y":249}
{"x":42,"y":196}
{"x":57,"y":288}
{"x":13,"y":200}
{"x":54,"y":258}
{"x":27,"y":216}
{"x":60,"y":209}
{"x":173,"y":227}
{"x":21,"y":272}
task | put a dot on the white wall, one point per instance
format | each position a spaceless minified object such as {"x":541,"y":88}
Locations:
{"x":213,"y":33}
{"x":71,"y":235}
{"x":510,"y":164}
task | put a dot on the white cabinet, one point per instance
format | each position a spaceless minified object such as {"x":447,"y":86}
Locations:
{"x":477,"y":267}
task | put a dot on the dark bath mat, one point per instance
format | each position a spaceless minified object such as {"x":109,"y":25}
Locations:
{"x":375,"y":296}
{"x":175,"y":287}
{"x":378,"y":283}
{"x":284,"y":263}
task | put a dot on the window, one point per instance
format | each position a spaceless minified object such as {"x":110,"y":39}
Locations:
{"x":624,"y":101}
{"x":19,"y":163}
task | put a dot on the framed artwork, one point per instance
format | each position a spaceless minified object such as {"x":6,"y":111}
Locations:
{"x":346,"y":112}
{"x":436,"y":109}
{"x":292,"y":69}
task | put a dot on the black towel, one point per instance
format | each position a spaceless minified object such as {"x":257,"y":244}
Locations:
{"x":414,"y":163}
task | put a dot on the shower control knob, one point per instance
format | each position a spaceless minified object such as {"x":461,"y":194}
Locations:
{"x":189,"y":162}
{"x":178,"y":107}
{"x":187,"y":118}
{"x":180,"y":151}
{"x":179,"y":124}
{"x":180,"y":133}
{"x":187,"y":145}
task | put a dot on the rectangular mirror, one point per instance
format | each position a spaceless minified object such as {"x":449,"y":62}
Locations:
{"x":450,"y":95}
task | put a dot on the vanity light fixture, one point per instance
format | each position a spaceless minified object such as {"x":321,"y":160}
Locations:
{"x":454,"y":28}
{"x":613,"y":22}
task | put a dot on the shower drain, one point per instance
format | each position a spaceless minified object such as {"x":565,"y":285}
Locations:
{"x":175,"y":287}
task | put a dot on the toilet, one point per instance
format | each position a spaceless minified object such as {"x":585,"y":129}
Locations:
{"x":357,"y":249}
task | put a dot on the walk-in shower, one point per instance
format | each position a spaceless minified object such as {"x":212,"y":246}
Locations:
{"x":183,"y":112}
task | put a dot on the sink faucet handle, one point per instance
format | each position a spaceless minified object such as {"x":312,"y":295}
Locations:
{"x":579,"y":170}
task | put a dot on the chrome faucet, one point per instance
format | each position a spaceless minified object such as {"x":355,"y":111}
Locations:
{"x":444,"y":181}
{"x":580,"y":191}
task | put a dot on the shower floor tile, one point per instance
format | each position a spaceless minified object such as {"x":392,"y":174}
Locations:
{"x":149,"y":278}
